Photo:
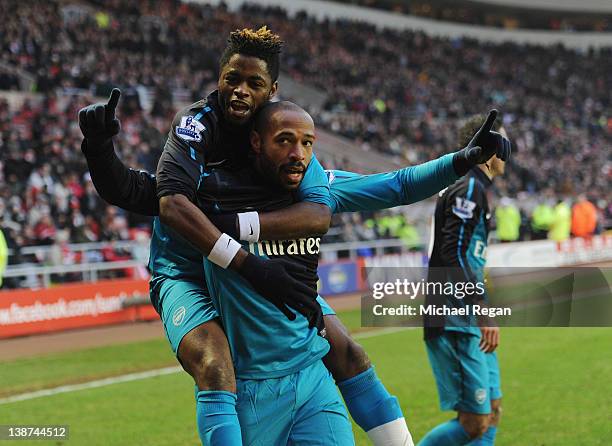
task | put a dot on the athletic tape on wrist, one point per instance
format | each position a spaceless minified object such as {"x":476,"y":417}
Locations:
{"x":224,"y":251}
{"x":248,"y":223}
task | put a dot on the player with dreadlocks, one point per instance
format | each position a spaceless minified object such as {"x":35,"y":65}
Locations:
{"x":204,"y":136}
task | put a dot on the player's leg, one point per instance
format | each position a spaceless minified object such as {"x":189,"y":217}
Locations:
{"x":205,"y":355}
{"x":461,"y":375}
{"x":265,"y":408}
{"x":372,"y":407}
{"x":488,"y":438}
{"x":474,"y":424}
{"x":192,"y":327}
{"x":319,"y":417}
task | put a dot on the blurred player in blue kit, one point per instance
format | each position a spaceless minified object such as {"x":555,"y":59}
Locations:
{"x":207,"y":162}
{"x":461,"y":350}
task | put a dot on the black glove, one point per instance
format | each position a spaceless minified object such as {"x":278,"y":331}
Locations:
{"x":98,"y":122}
{"x":482,"y":147}
{"x":272,"y":279}
{"x":227,"y":223}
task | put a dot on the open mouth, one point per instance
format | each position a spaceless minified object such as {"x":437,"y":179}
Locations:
{"x":294,"y":174}
{"x":239,"y":107}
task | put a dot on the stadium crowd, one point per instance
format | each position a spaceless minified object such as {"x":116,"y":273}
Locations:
{"x":557,"y":103}
{"x":496,"y":15}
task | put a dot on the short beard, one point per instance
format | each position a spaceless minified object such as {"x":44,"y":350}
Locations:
{"x":268,"y":171}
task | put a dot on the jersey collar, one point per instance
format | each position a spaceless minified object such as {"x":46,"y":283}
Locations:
{"x":477,"y":173}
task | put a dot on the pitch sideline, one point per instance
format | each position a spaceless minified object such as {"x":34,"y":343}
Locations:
{"x":145,"y":375}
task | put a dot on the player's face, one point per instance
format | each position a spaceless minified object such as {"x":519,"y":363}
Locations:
{"x":244,"y":85}
{"x":284,"y":149}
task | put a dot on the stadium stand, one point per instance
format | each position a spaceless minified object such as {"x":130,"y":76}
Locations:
{"x":502,"y":14}
{"x":398,"y":95}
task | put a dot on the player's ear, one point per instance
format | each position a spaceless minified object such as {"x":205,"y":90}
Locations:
{"x":255,"y":141}
{"x":273,"y":90}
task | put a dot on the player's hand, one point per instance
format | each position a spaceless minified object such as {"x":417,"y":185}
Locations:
{"x":490,"y":339}
{"x":485,"y":144}
{"x":273,"y":279}
{"x":98,"y":122}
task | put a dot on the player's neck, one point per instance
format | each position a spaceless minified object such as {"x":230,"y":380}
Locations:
{"x":487,"y":171}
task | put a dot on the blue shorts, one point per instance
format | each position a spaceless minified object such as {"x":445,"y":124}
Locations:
{"x":301,"y":409}
{"x":466,"y":377}
{"x":184,"y":304}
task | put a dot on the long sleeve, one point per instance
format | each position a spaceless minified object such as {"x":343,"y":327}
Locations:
{"x":351,"y":192}
{"x":132,"y":190}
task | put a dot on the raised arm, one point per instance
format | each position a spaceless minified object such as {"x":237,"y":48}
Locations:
{"x":134,"y":191}
{"x":351,"y":192}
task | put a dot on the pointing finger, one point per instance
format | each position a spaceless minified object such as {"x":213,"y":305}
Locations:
{"x":113,"y":100}
{"x":488,"y":124}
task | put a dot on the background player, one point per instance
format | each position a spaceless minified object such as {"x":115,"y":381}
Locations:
{"x":462,"y":354}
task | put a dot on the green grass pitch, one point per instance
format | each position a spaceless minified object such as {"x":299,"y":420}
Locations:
{"x":556,"y":385}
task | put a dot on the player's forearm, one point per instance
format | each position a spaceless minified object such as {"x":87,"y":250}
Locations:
{"x":304,"y":219}
{"x":298,"y":220}
{"x":423,"y":181}
{"x":177,"y":212}
{"x":117,"y":184}
{"x":354,"y":193}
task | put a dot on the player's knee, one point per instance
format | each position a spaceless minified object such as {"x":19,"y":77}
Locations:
{"x":214,"y":373}
{"x":496,"y":412}
{"x":210,"y":372}
{"x":211,"y":367}
{"x":475,"y":425}
{"x":357,"y":358}
{"x":346,"y":357}
{"x":348,"y":361}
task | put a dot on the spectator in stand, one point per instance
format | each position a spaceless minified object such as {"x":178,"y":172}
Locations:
{"x":541,"y":220}
{"x":3,"y":255}
{"x":45,"y":230}
{"x":561,"y":223}
{"x":508,"y":219}
{"x":584,"y":217}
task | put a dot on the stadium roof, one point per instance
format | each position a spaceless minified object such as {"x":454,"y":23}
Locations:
{"x":555,"y":5}
{"x":321,"y":9}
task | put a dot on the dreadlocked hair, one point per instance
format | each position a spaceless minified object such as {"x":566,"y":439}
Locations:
{"x":470,"y":127}
{"x":262,"y":44}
